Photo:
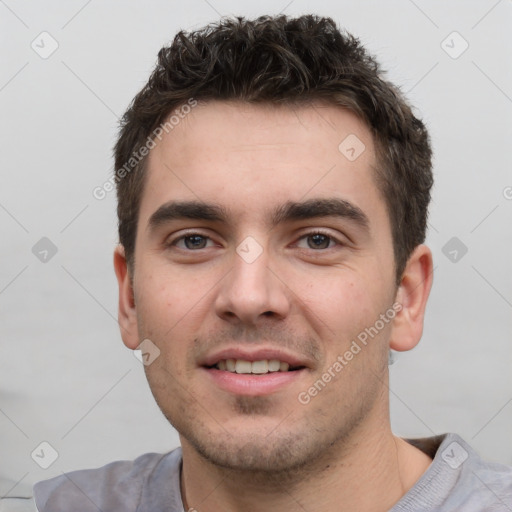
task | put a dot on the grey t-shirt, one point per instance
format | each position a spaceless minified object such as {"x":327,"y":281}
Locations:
{"x":456,"y":480}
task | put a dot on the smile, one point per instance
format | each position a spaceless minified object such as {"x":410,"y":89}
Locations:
{"x":254,"y":367}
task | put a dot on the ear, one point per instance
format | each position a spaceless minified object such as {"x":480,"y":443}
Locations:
{"x":412,"y":295}
{"x":127,"y":316}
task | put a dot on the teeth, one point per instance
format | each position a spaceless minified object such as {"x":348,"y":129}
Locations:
{"x":243,"y":366}
{"x":274,"y":365}
{"x":257,"y":367}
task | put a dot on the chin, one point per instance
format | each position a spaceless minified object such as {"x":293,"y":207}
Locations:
{"x":256,"y":452}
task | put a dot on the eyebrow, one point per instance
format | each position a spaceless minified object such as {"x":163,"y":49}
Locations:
{"x":289,"y":211}
{"x":313,"y":208}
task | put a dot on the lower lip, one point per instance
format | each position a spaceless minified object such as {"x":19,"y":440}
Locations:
{"x":252,"y":385}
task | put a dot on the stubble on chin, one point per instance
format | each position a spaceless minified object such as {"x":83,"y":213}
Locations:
{"x":292,"y":450}
{"x":252,"y":405}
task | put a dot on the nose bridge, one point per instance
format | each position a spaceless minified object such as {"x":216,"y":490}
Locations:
{"x":251,"y":289}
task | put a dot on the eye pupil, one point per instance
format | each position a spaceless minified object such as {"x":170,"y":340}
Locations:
{"x":319,"y":241}
{"x":195,"y":242}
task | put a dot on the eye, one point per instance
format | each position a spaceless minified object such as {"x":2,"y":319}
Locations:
{"x":317,"y":241}
{"x":191,"y":242}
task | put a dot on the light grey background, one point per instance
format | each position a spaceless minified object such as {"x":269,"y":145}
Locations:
{"x":65,"y":376}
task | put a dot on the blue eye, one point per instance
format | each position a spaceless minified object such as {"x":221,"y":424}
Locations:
{"x":192,"y":242}
{"x":318,"y":241}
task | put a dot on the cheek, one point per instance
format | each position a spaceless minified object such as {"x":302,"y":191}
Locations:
{"x":170,"y":307}
{"x":340,"y":304}
{"x":166,"y":297}
{"x":343,"y":312}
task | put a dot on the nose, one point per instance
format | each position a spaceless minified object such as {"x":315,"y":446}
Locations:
{"x":252,"y":290}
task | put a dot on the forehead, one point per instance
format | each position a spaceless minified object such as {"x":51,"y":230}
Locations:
{"x":253,"y":158}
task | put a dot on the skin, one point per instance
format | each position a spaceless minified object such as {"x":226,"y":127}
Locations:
{"x":336,"y":452}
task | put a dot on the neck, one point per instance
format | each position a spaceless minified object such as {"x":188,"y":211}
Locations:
{"x":369,"y":473}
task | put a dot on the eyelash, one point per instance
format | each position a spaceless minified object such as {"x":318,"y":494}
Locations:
{"x":305,"y":235}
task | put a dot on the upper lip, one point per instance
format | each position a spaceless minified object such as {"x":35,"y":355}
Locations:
{"x":253,"y":355}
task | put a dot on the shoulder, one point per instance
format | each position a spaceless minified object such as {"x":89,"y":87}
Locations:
{"x":118,"y":486}
{"x":487,"y":484}
{"x":457,"y":480}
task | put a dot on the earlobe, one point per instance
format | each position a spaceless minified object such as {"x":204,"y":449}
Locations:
{"x":127,"y":316}
{"x":412,"y":295}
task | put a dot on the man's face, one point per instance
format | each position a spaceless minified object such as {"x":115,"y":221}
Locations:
{"x":260,"y":240}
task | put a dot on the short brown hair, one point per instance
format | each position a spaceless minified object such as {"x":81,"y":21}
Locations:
{"x":286,"y":61}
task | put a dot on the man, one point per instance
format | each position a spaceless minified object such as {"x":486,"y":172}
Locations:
{"x":272,"y":201}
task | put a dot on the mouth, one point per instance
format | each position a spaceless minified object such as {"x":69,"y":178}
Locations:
{"x":260,"y":373}
{"x":261,"y":367}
